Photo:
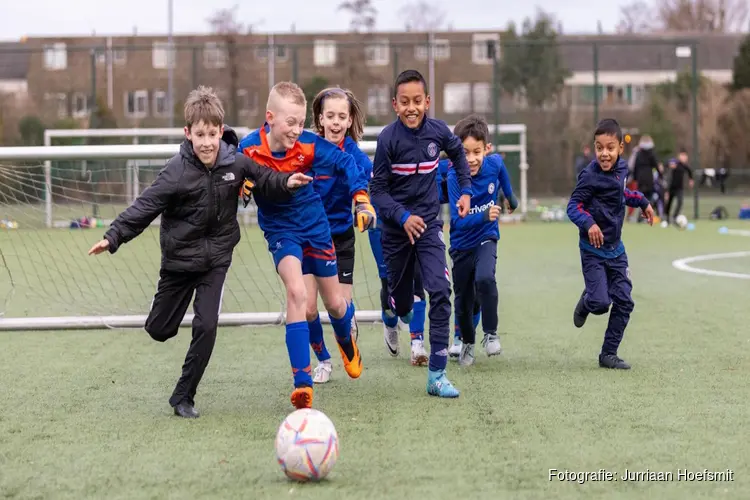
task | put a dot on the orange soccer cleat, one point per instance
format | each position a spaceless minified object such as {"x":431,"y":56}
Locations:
{"x":352,"y":359}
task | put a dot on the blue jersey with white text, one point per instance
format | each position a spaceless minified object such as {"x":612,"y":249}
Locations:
{"x":469,"y":232}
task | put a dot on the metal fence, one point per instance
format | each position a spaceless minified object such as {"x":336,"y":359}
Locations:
{"x":558,"y":89}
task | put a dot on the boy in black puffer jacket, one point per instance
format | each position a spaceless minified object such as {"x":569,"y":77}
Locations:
{"x":197,"y":195}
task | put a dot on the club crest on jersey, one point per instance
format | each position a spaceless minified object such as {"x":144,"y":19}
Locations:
{"x":432,"y":149}
{"x":491,"y":188}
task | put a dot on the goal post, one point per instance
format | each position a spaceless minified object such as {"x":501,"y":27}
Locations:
{"x":47,"y":281}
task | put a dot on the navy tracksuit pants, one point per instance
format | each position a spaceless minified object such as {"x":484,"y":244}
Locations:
{"x":428,"y":255}
{"x":608,"y":283}
{"x":474,"y":278}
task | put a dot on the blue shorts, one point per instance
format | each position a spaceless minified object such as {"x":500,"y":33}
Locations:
{"x":317,"y":259}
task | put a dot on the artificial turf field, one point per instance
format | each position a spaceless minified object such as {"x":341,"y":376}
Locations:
{"x":85,"y":413}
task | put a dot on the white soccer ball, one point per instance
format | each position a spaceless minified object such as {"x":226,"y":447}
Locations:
{"x":681,"y":221}
{"x":307,"y":445}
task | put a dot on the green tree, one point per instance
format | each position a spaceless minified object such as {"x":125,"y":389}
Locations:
{"x":680,"y":91}
{"x":741,"y":70}
{"x":31,"y":130}
{"x":531,"y":62}
{"x":659,"y":126}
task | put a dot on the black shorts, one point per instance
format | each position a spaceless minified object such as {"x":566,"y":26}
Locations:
{"x":344,"y":245}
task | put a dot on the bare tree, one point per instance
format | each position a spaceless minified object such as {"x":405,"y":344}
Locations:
{"x":224,"y":22}
{"x":363,"y":14}
{"x":636,"y":17}
{"x":423,"y":16}
{"x":707,"y":16}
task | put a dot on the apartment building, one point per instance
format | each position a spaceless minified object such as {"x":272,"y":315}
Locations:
{"x":130,"y":74}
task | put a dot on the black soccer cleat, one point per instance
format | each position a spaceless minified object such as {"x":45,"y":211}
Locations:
{"x":186,"y":410}
{"x":612,"y":361}
{"x":580,"y":313}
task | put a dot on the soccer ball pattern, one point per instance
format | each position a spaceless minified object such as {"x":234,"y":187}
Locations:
{"x":307,"y":445}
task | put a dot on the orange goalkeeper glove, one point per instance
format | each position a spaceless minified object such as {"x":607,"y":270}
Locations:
{"x":247,"y":192}
{"x":365,"y":213}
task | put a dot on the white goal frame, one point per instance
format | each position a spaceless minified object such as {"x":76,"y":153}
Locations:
{"x":161,"y":152}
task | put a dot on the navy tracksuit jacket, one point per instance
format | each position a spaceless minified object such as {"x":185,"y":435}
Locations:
{"x":404,"y":183}
{"x":600,"y":198}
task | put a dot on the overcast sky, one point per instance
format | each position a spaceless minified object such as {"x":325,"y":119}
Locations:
{"x":83,"y":17}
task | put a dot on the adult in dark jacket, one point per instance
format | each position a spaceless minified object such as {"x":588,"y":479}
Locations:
{"x":676,"y":191}
{"x":197,"y":195}
{"x":644,"y":166}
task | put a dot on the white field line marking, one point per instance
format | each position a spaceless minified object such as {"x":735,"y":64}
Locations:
{"x":684,"y":265}
{"x":739,"y":232}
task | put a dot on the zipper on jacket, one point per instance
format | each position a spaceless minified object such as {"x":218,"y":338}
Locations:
{"x":209,"y":218}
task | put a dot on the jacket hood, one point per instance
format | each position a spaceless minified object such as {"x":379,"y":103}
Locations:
{"x":230,"y":137}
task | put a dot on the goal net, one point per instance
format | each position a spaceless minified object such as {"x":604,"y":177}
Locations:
{"x":52,"y":210}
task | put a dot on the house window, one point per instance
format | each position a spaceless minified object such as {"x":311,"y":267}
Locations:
{"x":119,"y":56}
{"x":80,"y":105}
{"x":58,"y":102}
{"x":441,"y":50}
{"x":612,"y":95}
{"x":456,"y":98}
{"x":281,"y":54}
{"x":55,"y":56}
{"x":377,"y":53}
{"x":136,"y":103}
{"x":214,"y":55}
{"x":161,"y":103}
{"x":324,"y":53}
{"x":482,"y":97}
{"x":162,"y":56}
{"x":247,"y":102}
{"x":485,"y":46}
{"x":378,"y":100}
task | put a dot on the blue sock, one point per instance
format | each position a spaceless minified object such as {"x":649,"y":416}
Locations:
{"x":416,"y":325}
{"x":342,"y":327}
{"x":316,"y":339}
{"x":390,"y":319}
{"x":298,"y":346}
{"x":456,"y":332}
{"x":438,"y":356}
{"x":477,"y":317}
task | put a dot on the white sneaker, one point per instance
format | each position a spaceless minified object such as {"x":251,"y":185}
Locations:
{"x":322,"y":372}
{"x":390,"y":335}
{"x":492,"y":345}
{"x":455,"y":349}
{"x":466,"y":358}
{"x":418,"y":353}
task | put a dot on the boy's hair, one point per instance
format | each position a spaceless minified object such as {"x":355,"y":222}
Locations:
{"x":202,"y":104}
{"x":472,"y":126}
{"x":286,"y":90}
{"x":406,"y":76}
{"x":357,"y":129}
{"x":608,"y":126}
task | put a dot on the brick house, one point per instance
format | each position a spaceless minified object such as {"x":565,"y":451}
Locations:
{"x":130,"y":73}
